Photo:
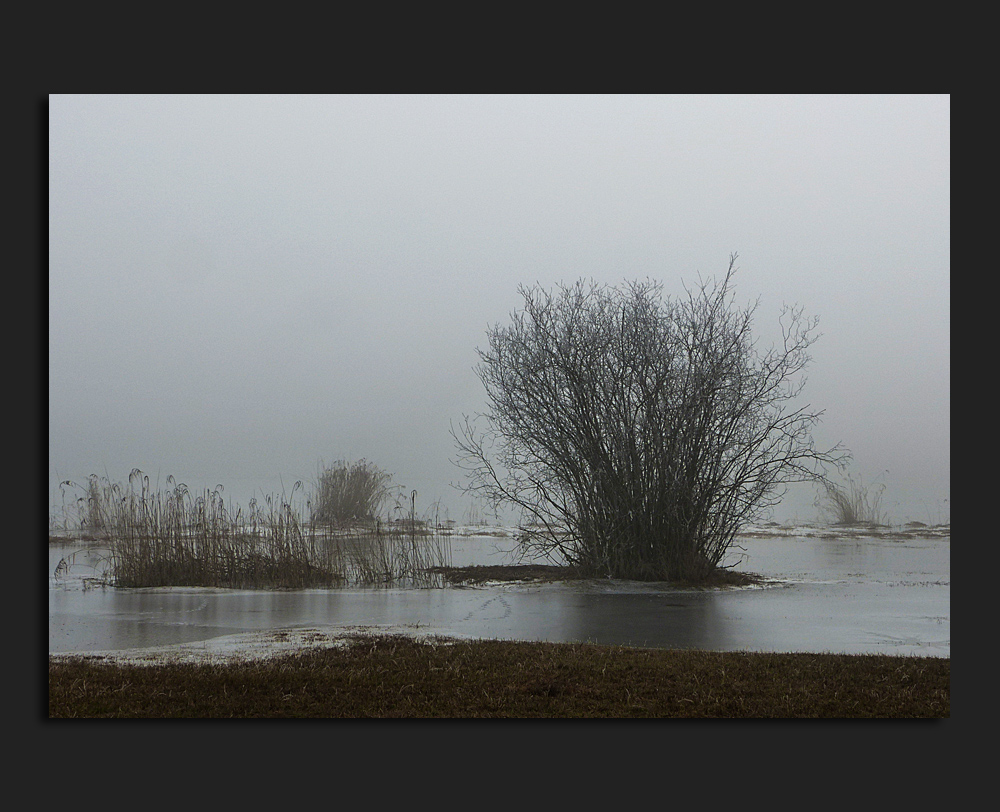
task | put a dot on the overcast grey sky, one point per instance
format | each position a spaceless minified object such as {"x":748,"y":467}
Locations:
{"x":241,"y":287}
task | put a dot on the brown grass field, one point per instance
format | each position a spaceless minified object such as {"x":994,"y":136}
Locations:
{"x":402,"y":678}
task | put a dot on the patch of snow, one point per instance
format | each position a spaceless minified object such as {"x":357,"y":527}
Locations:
{"x":261,"y":645}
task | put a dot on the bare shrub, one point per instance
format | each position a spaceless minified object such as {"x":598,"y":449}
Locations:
{"x":851,"y":504}
{"x":350,"y":492}
{"x":638,"y":434}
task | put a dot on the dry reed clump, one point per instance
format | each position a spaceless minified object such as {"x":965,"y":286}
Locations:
{"x":852,"y":504}
{"x":174,"y":539}
{"x":350,"y":493}
{"x":82,"y":516}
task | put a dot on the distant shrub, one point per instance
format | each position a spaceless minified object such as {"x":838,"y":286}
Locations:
{"x":350,"y":492}
{"x":852,"y":504}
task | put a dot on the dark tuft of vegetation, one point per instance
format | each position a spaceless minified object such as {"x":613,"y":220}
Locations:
{"x":397,"y":677}
{"x":348,"y":493}
{"x":851,"y":504}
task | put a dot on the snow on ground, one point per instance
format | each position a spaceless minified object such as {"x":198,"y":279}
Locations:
{"x":908,"y":530}
{"x":766,"y":530}
{"x":261,"y":645}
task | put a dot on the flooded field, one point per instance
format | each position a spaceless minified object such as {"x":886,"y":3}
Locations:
{"x":827,"y":589}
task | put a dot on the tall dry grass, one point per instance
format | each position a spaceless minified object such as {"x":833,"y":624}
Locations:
{"x":173,"y":538}
{"x":350,"y":493}
{"x":852,"y":504}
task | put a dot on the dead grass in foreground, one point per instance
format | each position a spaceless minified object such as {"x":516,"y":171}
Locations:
{"x":397,"y":677}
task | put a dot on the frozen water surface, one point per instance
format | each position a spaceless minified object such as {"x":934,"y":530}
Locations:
{"x":827,"y":590}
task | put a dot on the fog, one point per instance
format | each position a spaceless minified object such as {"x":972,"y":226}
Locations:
{"x":242,"y":288}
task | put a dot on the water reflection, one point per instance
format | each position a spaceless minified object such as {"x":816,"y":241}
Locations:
{"x":637,"y":616}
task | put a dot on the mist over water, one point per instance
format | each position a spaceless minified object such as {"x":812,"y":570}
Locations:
{"x":242,"y":288}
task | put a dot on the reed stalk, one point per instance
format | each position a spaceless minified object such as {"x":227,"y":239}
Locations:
{"x":174,"y":539}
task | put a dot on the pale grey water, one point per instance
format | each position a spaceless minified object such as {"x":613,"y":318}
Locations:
{"x":851,"y":595}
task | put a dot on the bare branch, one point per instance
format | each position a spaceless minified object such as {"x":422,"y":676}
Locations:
{"x":638,"y":434}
